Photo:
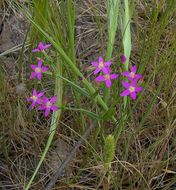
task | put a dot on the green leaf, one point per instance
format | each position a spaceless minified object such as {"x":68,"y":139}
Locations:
{"x":108,"y":114}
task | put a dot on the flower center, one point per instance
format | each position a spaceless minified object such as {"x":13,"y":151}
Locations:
{"x":34,"y":98}
{"x":38,"y":70}
{"x":101,"y":65}
{"x":132,"y":74}
{"x":107,"y":77}
{"x":132,"y":89}
{"x":48,"y":104}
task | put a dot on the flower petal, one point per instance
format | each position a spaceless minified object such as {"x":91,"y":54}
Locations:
{"x":44,"y":68}
{"x":40,"y":46}
{"x":134,"y":68}
{"x":100,"y":59}
{"x":40,"y":94}
{"x":39,"y":76}
{"x":114,"y":76}
{"x":138,"y":76}
{"x":33,"y":105}
{"x":39,"y":62}
{"x":28,"y":99}
{"x":33,"y":66}
{"x":46,"y":46}
{"x":97,"y":70}
{"x":106,"y":70}
{"x":108,"y":83}
{"x":133,"y":95}
{"x":42,"y":107}
{"x":45,"y":99}
{"x":130,"y":78}
{"x":33,"y":74}
{"x":107,"y":63}
{"x":39,"y":101}
{"x":125,"y":84}
{"x":123,"y":58}
{"x":47,"y":112}
{"x":138,"y":89}
{"x":34,"y":92}
{"x":54,"y":108}
{"x":35,"y":50}
{"x":100,"y":78}
{"x":134,"y":83}
{"x":95,"y":64}
{"x":127,"y":74}
{"x":125,"y":93}
{"x":53,"y":99}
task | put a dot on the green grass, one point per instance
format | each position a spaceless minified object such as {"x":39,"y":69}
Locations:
{"x":132,"y":144}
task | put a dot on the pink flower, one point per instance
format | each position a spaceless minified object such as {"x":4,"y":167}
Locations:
{"x":107,"y":78}
{"x":48,"y":105}
{"x":123,"y":58}
{"x":131,"y":89}
{"x":101,"y":65}
{"x":132,"y":74}
{"x":41,"y":47}
{"x":38,"y":70}
{"x":35,"y":98}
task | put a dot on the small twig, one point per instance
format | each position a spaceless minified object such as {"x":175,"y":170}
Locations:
{"x":69,"y":157}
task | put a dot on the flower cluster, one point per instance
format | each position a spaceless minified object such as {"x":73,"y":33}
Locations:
{"x":39,"y":98}
{"x":104,"y":67}
{"x":132,"y":76}
{"x":131,"y":85}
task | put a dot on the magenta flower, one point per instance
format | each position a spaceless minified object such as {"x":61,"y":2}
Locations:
{"x":132,"y":74}
{"x":38,"y":70}
{"x":131,"y":89}
{"x":35,"y":98}
{"x":123,"y":58}
{"x":48,"y":105}
{"x":101,"y":65}
{"x":41,"y":47}
{"x":107,"y":78}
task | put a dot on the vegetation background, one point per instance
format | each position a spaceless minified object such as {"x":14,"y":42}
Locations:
{"x":134,"y":151}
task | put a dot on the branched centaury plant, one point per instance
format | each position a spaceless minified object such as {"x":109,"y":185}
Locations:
{"x":58,"y":88}
{"x":69,"y":63}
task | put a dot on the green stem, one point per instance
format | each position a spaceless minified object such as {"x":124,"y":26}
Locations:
{"x":127,"y":51}
{"x":71,"y":32}
{"x":113,"y":12}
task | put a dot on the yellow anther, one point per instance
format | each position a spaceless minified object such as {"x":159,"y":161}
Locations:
{"x":34,"y":98}
{"x":132,"y":74}
{"x":132,"y":89}
{"x":38,"y":70}
{"x":101,"y":65}
{"x":48,"y":104}
{"x":107,"y":77}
